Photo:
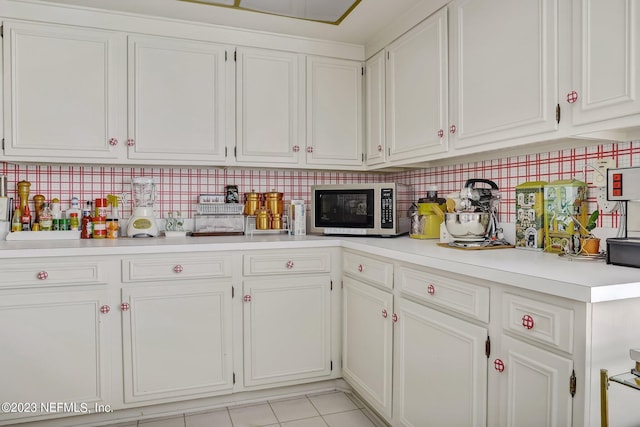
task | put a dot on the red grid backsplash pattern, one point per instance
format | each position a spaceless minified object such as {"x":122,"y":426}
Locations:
{"x":509,"y":172}
{"x":178,"y":188}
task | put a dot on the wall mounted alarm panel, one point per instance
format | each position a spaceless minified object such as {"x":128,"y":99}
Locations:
{"x":623,"y":184}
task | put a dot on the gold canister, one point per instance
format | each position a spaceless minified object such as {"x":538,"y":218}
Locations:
{"x":273,"y":201}
{"x":252,"y":202}
{"x":263,"y":219}
{"x":276,"y":221}
{"x":38,"y":201}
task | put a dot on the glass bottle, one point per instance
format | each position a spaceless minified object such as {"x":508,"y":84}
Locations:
{"x":16,"y":222}
{"x":46,"y":218}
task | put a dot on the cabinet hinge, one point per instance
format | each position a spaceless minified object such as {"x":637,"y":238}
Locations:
{"x":572,"y":383}
{"x":225,"y":56}
{"x":363,"y":71}
{"x":233,"y":292}
{"x":487,"y":347}
{"x":362,"y":155}
{"x":235,"y":56}
{"x":235,"y":152}
{"x":331,"y":365}
{"x":1,"y":30}
{"x":3,"y":144}
{"x":331,"y":288}
{"x":225,"y":152}
{"x":234,"y":377}
{"x":342,"y":284}
{"x":558,"y":113}
{"x":388,"y":55}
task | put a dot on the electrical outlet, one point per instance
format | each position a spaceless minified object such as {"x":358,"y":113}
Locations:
{"x":606,"y":206}
{"x":600,"y":171}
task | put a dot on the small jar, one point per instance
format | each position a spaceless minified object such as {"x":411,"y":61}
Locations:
{"x":46,"y":218}
{"x":112,"y":228}
{"x":99,"y":227}
{"x":101,"y":207}
{"x":263,"y":220}
{"x":74,"y":221}
{"x":276,"y":221}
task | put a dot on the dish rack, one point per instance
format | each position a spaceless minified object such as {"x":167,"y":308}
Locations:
{"x":250,"y":226}
{"x":217,"y":219}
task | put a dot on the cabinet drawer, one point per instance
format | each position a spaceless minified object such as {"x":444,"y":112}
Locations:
{"x":175,"y":267}
{"x":466,"y":298}
{"x":538,"y":321}
{"x":369,"y":269}
{"x":287,"y":262}
{"x":53,"y":272}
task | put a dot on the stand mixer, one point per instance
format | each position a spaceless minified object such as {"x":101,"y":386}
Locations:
{"x":143,"y":222}
{"x":476,"y":221}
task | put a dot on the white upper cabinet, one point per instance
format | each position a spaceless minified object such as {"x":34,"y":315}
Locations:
{"x":270,"y":106}
{"x":504,"y":69}
{"x":417,"y":96}
{"x":375,"y":108}
{"x":606,"y":61}
{"x":63,"y":93}
{"x":334,"y":112}
{"x":178,"y":100}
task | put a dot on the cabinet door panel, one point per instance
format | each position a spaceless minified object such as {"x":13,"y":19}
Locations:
{"x":287,"y":329}
{"x":177,"y":99}
{"x":177,"y":340}
{"x":367,"y":345}
{"x":270,"y":98}
{"x":534,"y":386}
{"x":440,"y":369}
{"x":417,"y":91}
{"x":375,"y":108}
{"x":503,"y":69}
{"x":606,"y":65}
{"x":334,"y":112}
{"x":55,"y":348}
{"x":63,"y":92}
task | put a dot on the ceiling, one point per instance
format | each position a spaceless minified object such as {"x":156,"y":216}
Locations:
{"x":358,"y":27}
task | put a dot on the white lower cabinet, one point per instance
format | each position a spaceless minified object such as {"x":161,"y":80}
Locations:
{"x":287,"y":329}
{"x":440,"y":369}
{"x":176,"y":340}
{"x":367,"y":345}
{"x":534,"y":386}
{"x":55,"y":348}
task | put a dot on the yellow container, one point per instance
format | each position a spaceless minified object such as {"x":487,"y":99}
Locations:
{"x":565,"y":205}
{"x":530,"y":215}
{"x":429,"y":221}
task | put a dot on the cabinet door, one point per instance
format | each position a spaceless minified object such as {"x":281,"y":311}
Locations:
{"x":334,"y":112}
{"x":503,"y":70}
{"x":63,"y":92}
{"x":270,"y":106}
{"x":534,"y":386}
{"x":440,"y":369}
{"x":177,"y":100}
{"x":55,"y":348}
{"x":375,"y":108}
{"x":606,"y":66}
{"x":367,"y":342}
{"x":177,"y":340}
{"x":287,"y":329}
{"x":417,"y":91}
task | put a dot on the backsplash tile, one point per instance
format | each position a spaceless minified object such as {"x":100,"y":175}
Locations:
{"x":178,"y":188}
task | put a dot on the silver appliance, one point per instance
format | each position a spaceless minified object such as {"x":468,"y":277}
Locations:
{"x":372,"y":209}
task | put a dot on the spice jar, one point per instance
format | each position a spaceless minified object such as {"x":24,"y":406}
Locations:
{"x":252,"y":202}
{"x":263,"y":220}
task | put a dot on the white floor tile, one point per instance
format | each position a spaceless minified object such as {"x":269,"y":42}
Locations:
{"x":348,"y":419}
{"x":209,"y":419}
{"x":331,"y":403}
{"x":293,"y":409}
{"x":308,"y":422}
{"x":165,"y":422}
{"x":252,"y":416}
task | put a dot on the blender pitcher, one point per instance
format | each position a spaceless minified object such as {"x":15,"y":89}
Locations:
{"x":143,"y":221}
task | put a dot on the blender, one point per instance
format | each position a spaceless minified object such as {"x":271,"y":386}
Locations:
{"x":142,"y":222}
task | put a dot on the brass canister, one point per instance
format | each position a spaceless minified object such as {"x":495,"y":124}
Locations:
{"x":263,"y":219}
{"x":276,"y":221}
{"x":273,"y":201}
{"x":252,"y":202}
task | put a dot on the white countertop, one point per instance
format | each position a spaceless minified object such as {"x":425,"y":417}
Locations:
{"x":582,"y":280}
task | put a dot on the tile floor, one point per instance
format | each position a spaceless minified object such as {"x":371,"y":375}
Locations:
{"x":333,"y":409}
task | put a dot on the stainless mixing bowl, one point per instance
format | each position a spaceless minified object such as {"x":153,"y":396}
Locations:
{"x":467,"y":226}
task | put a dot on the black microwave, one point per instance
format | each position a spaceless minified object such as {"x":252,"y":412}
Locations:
{"x":373,"y":209}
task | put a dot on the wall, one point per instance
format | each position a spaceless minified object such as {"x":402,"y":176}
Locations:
{"x":178,"y":188}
